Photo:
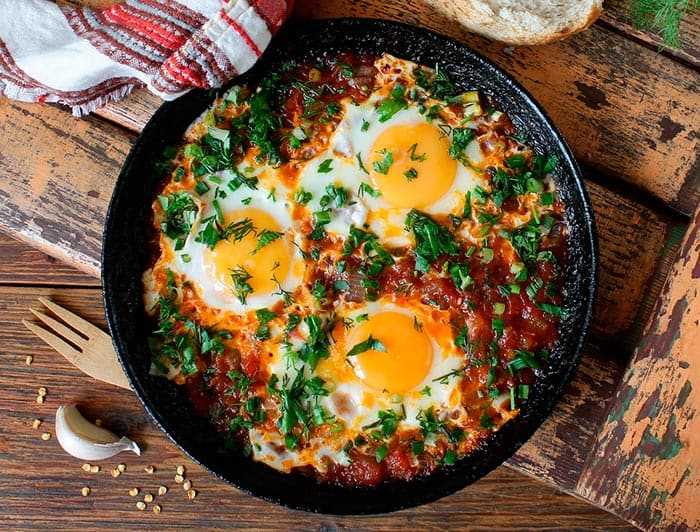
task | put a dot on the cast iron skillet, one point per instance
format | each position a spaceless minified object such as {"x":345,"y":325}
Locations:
{"x":126,"y":254}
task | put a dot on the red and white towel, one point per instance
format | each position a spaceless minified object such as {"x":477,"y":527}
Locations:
{"x":85,"y":57}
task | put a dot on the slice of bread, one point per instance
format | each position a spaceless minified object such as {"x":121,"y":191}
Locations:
{"x":522,"y":21}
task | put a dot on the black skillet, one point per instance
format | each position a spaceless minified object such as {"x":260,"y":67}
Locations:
{"x":126,"y":253}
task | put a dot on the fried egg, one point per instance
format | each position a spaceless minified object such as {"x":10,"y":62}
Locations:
{"x":421,"y":174}
{"x":411,"y":372}
{"x":278,"y":265}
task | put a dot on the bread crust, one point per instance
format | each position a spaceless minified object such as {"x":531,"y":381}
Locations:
{"x":472,"y":16}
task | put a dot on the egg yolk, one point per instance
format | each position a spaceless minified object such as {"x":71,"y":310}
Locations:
{"x":407,"y":357}
{"x":273,"y":260}
{"x":411,"y":166}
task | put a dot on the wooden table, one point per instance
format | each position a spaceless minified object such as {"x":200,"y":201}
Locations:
{"x":620,"y":438}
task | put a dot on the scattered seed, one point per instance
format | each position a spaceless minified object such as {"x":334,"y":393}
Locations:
{"x":148,"y":497}
{"x":36,"y":423}
{"x":94,"y":469}
{"x":141,"y":505}
{"x":40,"y":399}
{"x":116,"y":472}
{"x":121,"y":468}
{"x":191,"y":494}
{"x":85,"y":491}
{"x":28,"y":361}
{"x":149,"y":469}
{"x":162,"y":490}
{"x":179,"y":479}
{"x":157,"y":509}
{"x":134,"y":492}
{"x":98,"y":422}
{"x":42,"y":391}
{"x":180,"y":470}
{"x":46,"y":436}
{"x":187,"y":485}
{"x":86,"y":467}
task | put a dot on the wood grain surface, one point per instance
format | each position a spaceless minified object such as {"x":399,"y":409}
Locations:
{"x":645,"y":465}
{"x":21,"y":263}
{"x":58,"y":173}
{"x":41,"y":484}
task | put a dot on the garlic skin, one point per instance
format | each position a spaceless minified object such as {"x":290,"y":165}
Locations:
{"x":86,"y":441}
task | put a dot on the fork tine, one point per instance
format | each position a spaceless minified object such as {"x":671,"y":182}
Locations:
{"x":78,"y":323}
{"x":59,"y":328}
{"x":70,"y":353}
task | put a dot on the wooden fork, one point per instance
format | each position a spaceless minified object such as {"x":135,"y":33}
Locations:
{"x":95,"y":355}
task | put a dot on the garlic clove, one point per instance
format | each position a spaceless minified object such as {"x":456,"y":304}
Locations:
{"x":86,"y":441}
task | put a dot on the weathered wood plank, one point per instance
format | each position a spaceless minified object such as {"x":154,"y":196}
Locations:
{"x":645,"y":465}
{"x":626,"y":110}
{"x":558,"y":450}
{"x":24,"y":265}
{"x":41,"y":484}
{"x":617,"y":14}
{"x":58,"y":174}
{"x":631,"y":238}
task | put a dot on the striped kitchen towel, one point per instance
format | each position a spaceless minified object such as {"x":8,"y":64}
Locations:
{"x":85,"y":57}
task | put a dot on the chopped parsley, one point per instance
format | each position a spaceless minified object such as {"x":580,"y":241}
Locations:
{"x":411,"y":174}
{"x":370,"y":344}
{"x":393,"y":104}
{"x":438,"y":84}
{"x":264,"y":317}
{"x":382,"y":165}
{"x":554,"y":310}
{"x":461,"y":137}
{"x":416,"y":157}
{"x":431,"y":424}
{"x":460,"y":276}
{"x":299,"y":404}
{"x":212,"y":231}
{"x":241,"y":286}
{"x":381,"y":452}
{"x":335,"y":196}
{"x":180,"y":213}
{"x":265,"y":238}
{"x":361,"y":164}
{"x":432,"y":239}
{"x":302,"y":197}
{"x":326,"y":166}
{"x":523,"y":359}
{"x":366,"y":188}
{"x":318,"y":290}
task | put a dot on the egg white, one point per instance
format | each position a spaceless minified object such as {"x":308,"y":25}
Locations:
{"x":191,"y":261}
{"x":349,"y":142}
{"x":347,"y":389}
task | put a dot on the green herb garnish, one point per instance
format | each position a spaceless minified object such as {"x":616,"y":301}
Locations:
{"x":265,"y":238}
{"x":411,"y":174}
{"x":241,"y":286}
{"x":326,"y":166}
{"x":370,"y":344}
{"x":382,"y":166}
{"x":432,"y":239}
{"x":393,"y":104}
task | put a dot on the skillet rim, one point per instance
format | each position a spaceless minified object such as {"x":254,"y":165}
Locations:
{"x":503,"y":443}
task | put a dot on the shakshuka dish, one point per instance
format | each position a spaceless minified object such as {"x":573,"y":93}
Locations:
{"x":358,"y":269}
